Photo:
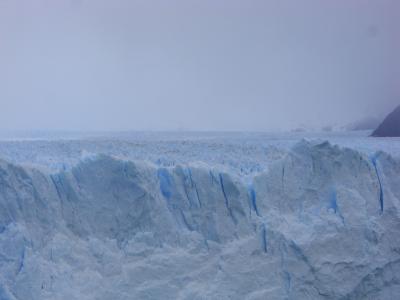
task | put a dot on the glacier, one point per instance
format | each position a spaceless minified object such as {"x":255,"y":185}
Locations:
{"x":318,"y":221}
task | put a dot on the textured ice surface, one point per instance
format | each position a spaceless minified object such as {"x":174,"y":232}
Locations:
{"x":241,"y":153}
{"x":311,"y":220}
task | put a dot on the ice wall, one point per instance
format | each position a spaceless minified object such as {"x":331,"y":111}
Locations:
{"x":321,"y":223}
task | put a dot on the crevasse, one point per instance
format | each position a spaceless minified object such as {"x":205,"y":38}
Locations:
{"x":114,"y":229}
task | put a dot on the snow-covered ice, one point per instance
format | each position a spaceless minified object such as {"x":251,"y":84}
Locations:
{"x":200,"y":216}
{"x":241,"y":153}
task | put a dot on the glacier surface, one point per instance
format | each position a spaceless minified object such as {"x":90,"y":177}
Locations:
{"x":317,"y":221}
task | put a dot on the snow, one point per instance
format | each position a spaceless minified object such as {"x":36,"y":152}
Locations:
{"x":203,"y":216}
{"x":243,"y":153}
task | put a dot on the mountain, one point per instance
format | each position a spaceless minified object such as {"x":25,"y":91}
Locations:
{"x":368,"y":123}
{"x":390,"y":127}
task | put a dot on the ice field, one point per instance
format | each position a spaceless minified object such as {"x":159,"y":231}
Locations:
{"x":180,"y":215}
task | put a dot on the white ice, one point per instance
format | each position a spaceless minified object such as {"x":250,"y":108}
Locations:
{"x":220,"y":218}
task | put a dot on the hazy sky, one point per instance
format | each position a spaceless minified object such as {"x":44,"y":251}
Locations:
{"x":202,"y":65}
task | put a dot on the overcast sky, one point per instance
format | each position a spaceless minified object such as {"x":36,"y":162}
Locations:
{"x":196,"y":65}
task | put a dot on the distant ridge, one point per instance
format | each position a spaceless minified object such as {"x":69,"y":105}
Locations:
{"x":367,"y":123}
{"x":390,"y":127}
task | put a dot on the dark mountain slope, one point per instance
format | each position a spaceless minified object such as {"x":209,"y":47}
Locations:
{"x":390,"y":127}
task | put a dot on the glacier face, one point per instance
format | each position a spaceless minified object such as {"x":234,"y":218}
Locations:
{"x":321,"y":222}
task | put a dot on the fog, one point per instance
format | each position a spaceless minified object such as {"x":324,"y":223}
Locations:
{"x":196,"y":65}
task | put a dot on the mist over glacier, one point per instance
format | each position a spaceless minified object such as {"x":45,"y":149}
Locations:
{"x":320,"y":222}
{"x":198,"y":150}
{"x":196,"y":65}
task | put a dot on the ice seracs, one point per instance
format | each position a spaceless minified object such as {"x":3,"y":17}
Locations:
{"x":321,"y":222}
